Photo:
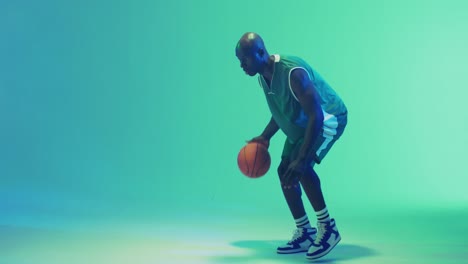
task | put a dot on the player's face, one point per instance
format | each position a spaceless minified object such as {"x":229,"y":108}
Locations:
{"x":249,"y":61}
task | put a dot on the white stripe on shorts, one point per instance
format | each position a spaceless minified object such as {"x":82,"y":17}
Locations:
{"x":324,"y":145}
{"x":330,"y":124}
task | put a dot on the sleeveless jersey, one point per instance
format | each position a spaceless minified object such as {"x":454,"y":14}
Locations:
{"x":286,"y":109}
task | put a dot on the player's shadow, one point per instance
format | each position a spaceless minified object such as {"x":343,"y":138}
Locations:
{"x":262,"y":250}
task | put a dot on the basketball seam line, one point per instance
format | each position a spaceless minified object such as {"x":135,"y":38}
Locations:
{"x":264,"y":161}
{"x":255,"y":160}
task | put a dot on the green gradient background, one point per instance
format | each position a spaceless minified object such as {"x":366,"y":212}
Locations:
{"x":138,"y":108}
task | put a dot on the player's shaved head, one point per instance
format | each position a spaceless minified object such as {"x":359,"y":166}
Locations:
{"x":251,"y":52}
{"x":250,"y":41}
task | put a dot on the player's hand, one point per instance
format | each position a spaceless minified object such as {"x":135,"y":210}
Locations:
{"x":261,"y":140}
{"x":295,"y":170}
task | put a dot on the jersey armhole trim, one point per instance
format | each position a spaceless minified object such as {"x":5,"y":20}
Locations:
{"x":289,"y":80}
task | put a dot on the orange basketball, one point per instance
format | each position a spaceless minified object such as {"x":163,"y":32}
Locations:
{"x":254,"y":160}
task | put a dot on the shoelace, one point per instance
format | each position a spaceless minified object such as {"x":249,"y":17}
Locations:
{"x":320,"y":233}
{"x":297,"y":234}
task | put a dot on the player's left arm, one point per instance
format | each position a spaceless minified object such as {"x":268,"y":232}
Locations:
{"x":307,"y":96}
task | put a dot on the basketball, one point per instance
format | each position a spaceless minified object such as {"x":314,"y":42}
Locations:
{"x":254,"y":160}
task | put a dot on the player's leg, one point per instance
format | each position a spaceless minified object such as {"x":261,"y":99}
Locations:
{"x":312,"y":187}
{"x":304,"y":234}
{"x":310,"y":181}
{"x":327,"y":234}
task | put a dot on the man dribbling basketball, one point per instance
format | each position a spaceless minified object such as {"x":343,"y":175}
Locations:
{"x":313,"y":117}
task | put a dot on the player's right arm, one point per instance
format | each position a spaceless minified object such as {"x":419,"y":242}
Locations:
{"x":269,"y":131}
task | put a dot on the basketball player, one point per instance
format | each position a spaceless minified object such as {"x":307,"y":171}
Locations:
{"x":313,"y":117}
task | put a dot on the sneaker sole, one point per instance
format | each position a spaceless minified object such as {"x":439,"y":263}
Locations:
{"x":325,"y":252}
{"x":298,"y":250}
{"x":291,"y":251}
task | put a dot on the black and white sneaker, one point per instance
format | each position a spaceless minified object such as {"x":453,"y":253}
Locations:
{"x":327,"y":238}
{"x":300,"y":242}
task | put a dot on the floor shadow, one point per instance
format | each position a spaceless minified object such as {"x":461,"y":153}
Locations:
{"x":266,"y":249}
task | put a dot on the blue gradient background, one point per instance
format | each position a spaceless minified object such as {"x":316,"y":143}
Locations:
{"x":137,"y":109}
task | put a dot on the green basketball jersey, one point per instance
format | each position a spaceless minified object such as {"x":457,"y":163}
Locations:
{"x":285,"y":108}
